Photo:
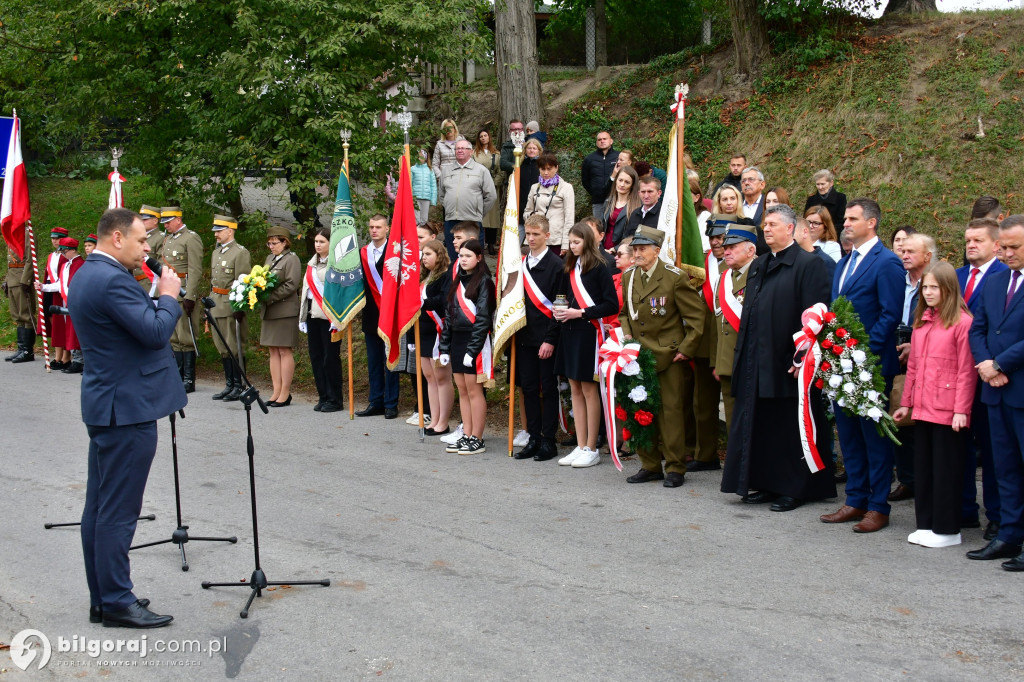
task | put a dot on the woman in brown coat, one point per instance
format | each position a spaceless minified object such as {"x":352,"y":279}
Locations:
{"x":280,"y":329}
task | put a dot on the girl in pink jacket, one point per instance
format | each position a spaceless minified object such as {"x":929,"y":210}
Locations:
{"x":940,"y":389}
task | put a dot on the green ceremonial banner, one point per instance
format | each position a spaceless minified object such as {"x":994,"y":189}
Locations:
{"x":343,"y":288}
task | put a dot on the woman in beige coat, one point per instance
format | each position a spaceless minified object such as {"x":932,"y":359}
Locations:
{"x":555,"y":200}
{"x":280,"y":329}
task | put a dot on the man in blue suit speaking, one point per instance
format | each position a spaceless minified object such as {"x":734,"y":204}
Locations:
{"x":130,"y":381}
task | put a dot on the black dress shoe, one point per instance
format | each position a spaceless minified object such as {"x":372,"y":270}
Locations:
{"x":643,"y":476}
{"x":548,"y":450}
{"x":319,"y":406}
{"x":135,"y":616}
{"x":531,"y":449}
{"x":785,"y":504}
{"x":1015,"y":564}
{"x":370,"y":411}
{"x":972,"y":522}
{"x":390,"y":412}
{"x":759,"y":498}
{"x":434,"y":432}
{"x":997,"y":549}
{"x":56,"y":366}
{"x":278,"y":403}
{"x":330,"y":407}
{"x":697,"y":465}
{"x":672,"y":479}
{"x":991,"y":530}
{"x":73,"y":368}
{"x":96,"y":612}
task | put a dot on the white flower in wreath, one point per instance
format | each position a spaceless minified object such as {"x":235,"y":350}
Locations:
{"x":847,"y":365}
{"x":874,"y":414}
{"x":638,"y":394}
{"x":841,"y":402}
{"x":849,"y":387}
{"x":859,"y":357}
{"x":865,"y":376}
{"x":632,"y":369}
{"x":835,"y":381}
{"x":564,"y":386}
{"x":873,"y":396}
{"x":571,"y":414}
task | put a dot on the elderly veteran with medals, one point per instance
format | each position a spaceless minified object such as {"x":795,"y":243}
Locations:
{"x":740,"y":245}
{"x":229,"y":261}
{"x":661,"y":310}
{"x":182,"y":249}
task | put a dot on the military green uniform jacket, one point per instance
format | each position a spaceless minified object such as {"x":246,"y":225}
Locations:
{"x":726,"y":334}
{"x":21,"y":273}
{"x":709,"y":339}
{"x":183,"y":251}
{"x":228,"y":264}
{"x":155,"y":239}
{"x":679,"y":329}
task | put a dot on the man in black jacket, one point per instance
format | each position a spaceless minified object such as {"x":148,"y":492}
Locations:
{"x":737,"y":162}
{"x":535,"y":343}
{"x":597,"y":169}
{"x":507,"y":162}
{"x":647,"y":213}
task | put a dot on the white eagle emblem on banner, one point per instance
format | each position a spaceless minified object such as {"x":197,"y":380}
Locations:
{"x":402,"y":262}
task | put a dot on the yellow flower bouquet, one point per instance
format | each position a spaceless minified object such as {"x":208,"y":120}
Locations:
{"x":252,"y":289}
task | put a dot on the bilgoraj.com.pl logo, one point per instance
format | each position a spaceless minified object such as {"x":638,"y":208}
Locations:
{"x":27,"y":645}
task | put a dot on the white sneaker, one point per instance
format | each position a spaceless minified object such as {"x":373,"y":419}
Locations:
{"x":588,"y":459}
{"x":521,"y":440}
{"x":453,"y":437}
{"x":935,"y":540}
{"x":915,"y":537}
{"x":414,"y":420}
{"x":571,"y":457}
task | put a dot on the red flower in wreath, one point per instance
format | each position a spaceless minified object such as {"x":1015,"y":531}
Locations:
{"x":829,"y":317}
{"x":820,"y":383}
{"x":626,"y":434}
{"x":620,"y":412}
{"x":826,"y":344}
{"x":851,"y":342}
{"x":825,"y":366}
{"x":643,"y":417}
{"x":841,"y":333}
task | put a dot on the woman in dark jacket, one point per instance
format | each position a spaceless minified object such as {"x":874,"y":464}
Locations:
{"x":466,"y":343}
{"x":434,"y":285}
{"x":828,"y":196}
{"x":280,"y":329}
{"x":529,"y":174}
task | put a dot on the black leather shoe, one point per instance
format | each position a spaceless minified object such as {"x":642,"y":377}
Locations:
{"x":972,"y":522}
{"x":1015,"y":564}
{"x":135,"y":616}
{"x":697,"y":465}
{"x":643,"y":476}
{"x":73,"y":368}
{"x":759,"y":498}
{"x":330,"y":407}
{"x":390,"y":412}
{"x":997,"y":549}
{"x":57,"y":366}
{"x":531,"y":449}
{"x":548,"y":450}
{"x":279,"y":403}
{"x":672,"y":479}
{"x":785,"y":504}
{"x":370,"y":411}
{"x":434,"y":432}
{"x":991,"y":530}
{"x":96,"y":612}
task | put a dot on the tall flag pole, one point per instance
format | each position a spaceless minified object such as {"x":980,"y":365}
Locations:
{"x":16,"y":217}
{"x":405,"y":120}
{"x":400,"y":291}
{"x":678,"y":218}
{"x":116,"y":199}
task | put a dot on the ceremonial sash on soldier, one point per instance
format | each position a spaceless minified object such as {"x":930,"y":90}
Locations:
{"x":484,"y":361}
{"x":438,"y":323}
{"x":584,"y":299}
{"x":711,"y":277}
{"x":375,"y":280}
{"x":537,"y":297}
{"x":730,"y":306}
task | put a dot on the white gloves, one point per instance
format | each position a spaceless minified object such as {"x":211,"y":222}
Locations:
{"x":444,"y":359}
{"x":467,"y":360}
{"x":411,"y":347}
{"x":303,"y":327}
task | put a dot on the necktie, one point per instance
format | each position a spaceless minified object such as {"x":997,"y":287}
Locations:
{"x":849,"y":270}
{"x":1013,"y":289}
{"x":970,"y":284}
{"x":643,"y":280}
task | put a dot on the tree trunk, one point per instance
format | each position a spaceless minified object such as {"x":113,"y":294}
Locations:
{"x":600,"y":33}
{"x":515,"y":61}
{"x":909,"y":7}
{"x":749,"y":36}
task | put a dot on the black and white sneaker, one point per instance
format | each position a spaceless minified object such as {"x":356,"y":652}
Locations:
{"x":472,"y":446}
{"x":457,"y":445}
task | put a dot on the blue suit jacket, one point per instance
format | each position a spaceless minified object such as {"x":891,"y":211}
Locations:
{"x":130,"y":375}
{"x":964,"y":273}
{"x":999,"y":335}
{"x":876,"y":290}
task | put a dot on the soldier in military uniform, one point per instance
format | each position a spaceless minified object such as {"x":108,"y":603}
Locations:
{"x":154,"y":237}
{"x":20,"y":300}
{"x":661,"y":310}
{"x":230,"y":261}
{"x":182,"y":249}
{"x":740,"y":245}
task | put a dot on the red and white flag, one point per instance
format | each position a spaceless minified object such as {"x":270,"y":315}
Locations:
{"x":116,"y":197}
{"x":400,"y":289}
{"x":14,"y":209}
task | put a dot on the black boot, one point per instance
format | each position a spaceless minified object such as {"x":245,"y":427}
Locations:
{"x":179,"y":360}
{"x":188,"y":365}
{"x":236,"y":384}
{"x":26,"y":345}
{"x":229,"y":380}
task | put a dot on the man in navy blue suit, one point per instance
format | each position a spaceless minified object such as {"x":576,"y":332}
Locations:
{"x":871,"y":277}
{"x":130,"y":381}
{"x":981,"y":237}
{"x":997,"y":343}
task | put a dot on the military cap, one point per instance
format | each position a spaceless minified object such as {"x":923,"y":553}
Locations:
{"x":58,"y":232}
{"x":648,"y":235}
{"x":167,"y":213}
{"x":224,"y":221}
{"x":148,"y":212}
{"x":739,"y":232}
{"x":278,"y":231}
{"x":92,"y":238}
{"x":68,"y":243}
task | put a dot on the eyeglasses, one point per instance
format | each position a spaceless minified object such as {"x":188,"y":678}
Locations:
{"x":816,"y":223}
{"x":273,"y":242}
{"x":621,"y":254}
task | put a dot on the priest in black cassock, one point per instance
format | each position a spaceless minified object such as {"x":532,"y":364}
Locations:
{"x":764,"y":452}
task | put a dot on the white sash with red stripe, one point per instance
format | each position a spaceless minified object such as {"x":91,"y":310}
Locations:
{"x":585,"y":300}
{"x":315,"y":286}
{"x":806,"y":342}
{"x":375,"y":280}
{"x":537,"y":297}
{"x":438,"y":323}
{"x":52,"y":273}
{"x":65,"y":277}
{"x":711,"y":278}
{"x":731,"y":307}
{"x":485,"y":360}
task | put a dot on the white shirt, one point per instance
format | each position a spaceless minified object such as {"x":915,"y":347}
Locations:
{"x":531,"y":260}
{"x":863,"y":249}
{"x":376,"y":252}
{"x":750,"y":210}
{"x":982,"y":269}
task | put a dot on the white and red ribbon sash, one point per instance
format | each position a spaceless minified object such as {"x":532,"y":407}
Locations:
{"x":316,"y":287}
{"x":615,"y":355}
{"x":65,"y":277}
{"x":585,"y":300}
{"x":438,"y":323}
{"x":710,"y":286}
{"x":806,"y":341}
{"x":375,"y":279}
{"x":536,"y":296}
{"x":52,"y":273}
{"x":485,"y":360}
{"x":730,"y":306}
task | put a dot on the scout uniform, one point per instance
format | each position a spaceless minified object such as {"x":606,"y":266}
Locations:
{"x":665,"y":315}
{"x":183,"y":251}
{"x":230,"y":261}
{"x":49,"y":279}
{"x":73,"y":262}
{"x":731,"y":290}
{"x":20,"y":300}
{"x":155,"y":238}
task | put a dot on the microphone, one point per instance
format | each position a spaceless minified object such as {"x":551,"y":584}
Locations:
{"x":59,"y":310}
{"x":157,"y":267}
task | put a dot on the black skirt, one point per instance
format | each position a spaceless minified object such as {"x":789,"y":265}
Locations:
{"x":577,"y":350}
{"x":460,"y":344}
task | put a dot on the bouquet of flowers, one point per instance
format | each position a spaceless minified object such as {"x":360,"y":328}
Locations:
{"x":637,"y":400}
{"x":249,"y":290}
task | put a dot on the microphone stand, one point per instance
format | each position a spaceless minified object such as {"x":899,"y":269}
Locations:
{"x":258,"y":580}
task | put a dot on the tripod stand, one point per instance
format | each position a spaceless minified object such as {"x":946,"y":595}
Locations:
{"x":48,"y":526}
{"x":180,"y":534}
{"x":258,"y":580}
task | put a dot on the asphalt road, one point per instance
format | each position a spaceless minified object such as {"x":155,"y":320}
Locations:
{"x":472,"y":568}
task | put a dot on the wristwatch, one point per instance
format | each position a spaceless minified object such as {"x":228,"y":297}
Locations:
{"x":996,"y":367}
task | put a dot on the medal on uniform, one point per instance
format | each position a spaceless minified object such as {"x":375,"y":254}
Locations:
{"x":654,"y":306}
{"x":661,"y":310}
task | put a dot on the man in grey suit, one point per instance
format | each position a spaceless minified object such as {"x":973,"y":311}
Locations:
{"x":130,"y":381}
